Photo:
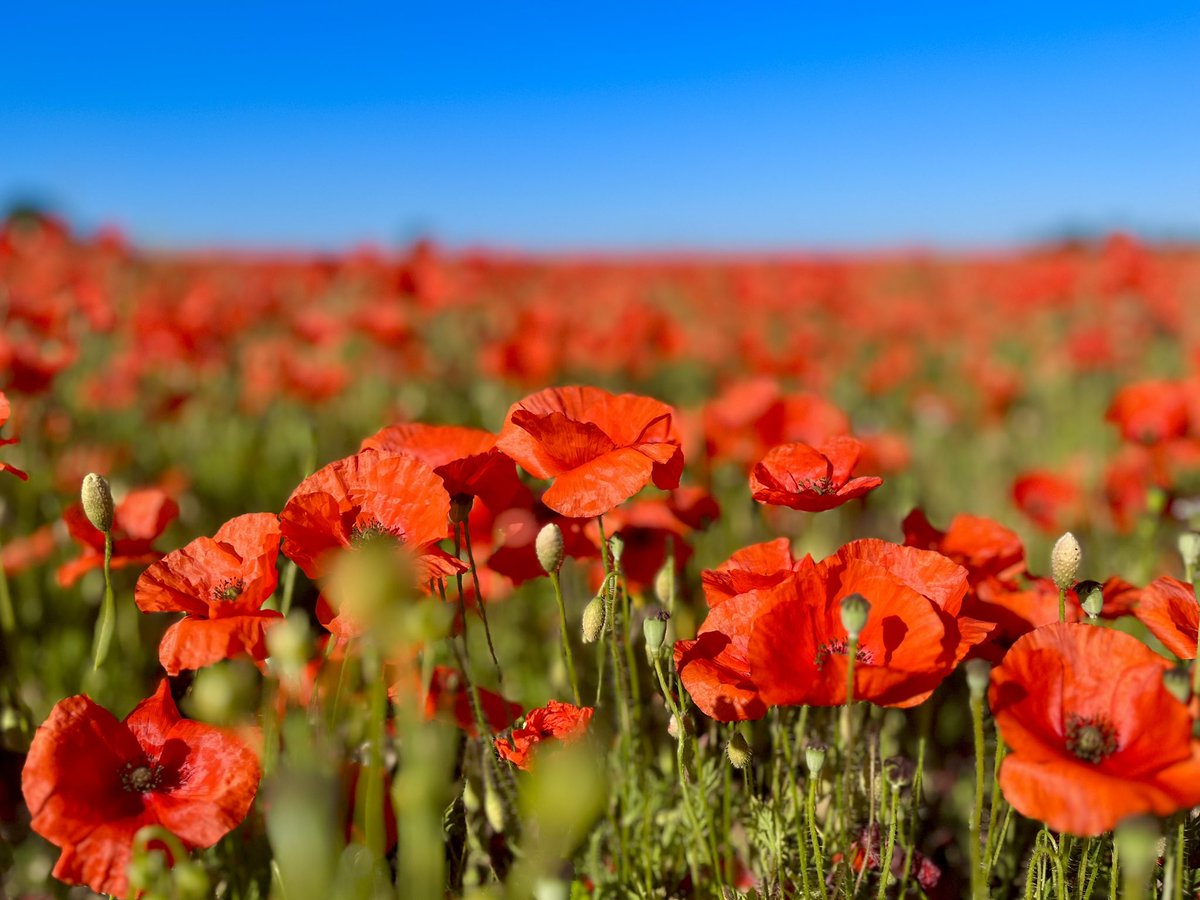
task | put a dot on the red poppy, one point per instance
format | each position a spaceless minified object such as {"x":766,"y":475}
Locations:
{"x":1094,"y":736}
{"x":141,"y":517}
{"x":915,"y":634}
{"x":813,"y":479}
{"x":600,"y":449}
{"x":21,"y":553}
{"x":449,"y":695}
{"x":5,"y":411}
{"x":466,"y":459}
{"x":92,"y":782}
{"x":1150,"y":411}
{"x":221,"y":584}
{"x":556,"y":719}
{"x":984,"y":547}
{"x":366,"y":497}
{"x":514,"y":537}
{"x":1053,"y":502}
{"x":1168,"y":607}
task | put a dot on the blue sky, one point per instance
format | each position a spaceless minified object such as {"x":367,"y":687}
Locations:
{"x":606,"y":126}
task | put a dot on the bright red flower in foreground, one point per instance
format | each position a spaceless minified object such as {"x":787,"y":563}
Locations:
{"x":365,"y":497}
{"x":1167,"y":606}
{"x":141,"y":517}
{"x":813,"y":479}
{"x":1094,"y":736}
{"x":5,"y":411}
{"x":599,"y":448}
{"x":221,"y":583}
{"x":92,"y":782}
{"x":558,"y":720}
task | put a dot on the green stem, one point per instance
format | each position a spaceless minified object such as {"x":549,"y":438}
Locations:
{"x":479,"y":599}
{"x":566,"y":641}
{"x":994,"y":804}
{"x":371,"y":794}
{"x":289,"y":588}
{"x":978,"y":886}
{"x":810,"y":813}
{"x":108,"y":609}
{"x":8,"y":618}
{"x":885,"y":861}
{"x":1062,"y":605}
{"x":848,"y":755}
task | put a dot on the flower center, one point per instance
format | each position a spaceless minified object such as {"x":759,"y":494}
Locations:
{"x":229,"y":590}
{"x":375,"y":533}
{"x":1091,"y":738}
{"x":140,"y":779}
{"x":839,"y":648}
{"x":819,"y":486}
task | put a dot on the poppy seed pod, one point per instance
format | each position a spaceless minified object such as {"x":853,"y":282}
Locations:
{"x":549,"y":546}
{"x":593,"y":620}
{"x":97,"y":501}
{"x":664,"y":585}
{"x":738,"y":751}
{"x":979,"y":675}
{"x":1064,"y":561}
{"x":814,"y":758}
{"x":654,"y":629}
{"x":855,"y":610}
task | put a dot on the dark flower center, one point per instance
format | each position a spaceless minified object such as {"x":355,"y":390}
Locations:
{"x":1091,"y":738}
{"x":819,"y":486}
{"x":375,"y":533}
{"x":839,"y":648}
{"x":140,"y":779}
{"x":229,"y":590}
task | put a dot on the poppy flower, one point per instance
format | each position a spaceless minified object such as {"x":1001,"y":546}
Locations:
{"x":599,"y":448}
{"x":448,"y":695}
{"x":91,"y":782}
{"x":370,"y":496}
{"x":220,"y":583}
{"x":1150,"y":411}
{"x":985,"y":548}
{"x":1167,"y":606}
{"x":1093,"y":734}
{"x":557,"y":720}
{"x":915,"y":634}
{"x":868,"y":849}
{"x":5,"y":412}
{"x":466,"y":459}
{"x":1053,"y":502}
{"x":812,"y":479}
{"x":138,"y":520}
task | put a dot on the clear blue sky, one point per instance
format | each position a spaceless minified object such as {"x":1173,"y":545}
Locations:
{"x":603,"y":125}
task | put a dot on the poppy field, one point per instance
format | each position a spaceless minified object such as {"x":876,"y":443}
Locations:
{"x":431,"y":573}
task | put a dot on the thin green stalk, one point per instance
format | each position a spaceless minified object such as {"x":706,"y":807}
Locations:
{"x":566,"y":641}
{"x":848,"y":751}
{"x":810,"y":813}
{"x":8,"y":617}
{"x":371,"y":793}
{"x":781,"y":730}
{"x":108,"y":609}
{"x":1062,"y":605}
{"x":1112,"y":872}
{"x":918,"y":780}
{"x":889,"y":847}
{"x":978,"y":886}
{"x":994,"y":803}
{"x":479,"y":599}
{"x":289,"y":588}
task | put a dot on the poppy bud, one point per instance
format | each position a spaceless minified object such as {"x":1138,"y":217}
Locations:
{"x":855,"y":610}
{"x":493,"y":805}
{"x":664,"y":585}
{"x":814,"y":758}
{"x":1189,"y":550}
{"x":1137,"y":842}
{"x":1091,"y":597}
{"x":899,"y":771}
{"x":549,"y":546}
{"x":616,"y":546}
{"x":593,"y":620}
{"x":191,"y":881}
{"x":1064,"y":561}
{"x":97,"y":501}
{"x":738,"y":751}
{"x":1178,"y":681}
{"x":979,"y":674}
{"x":673,"y":726}
{"x":654,"y":629}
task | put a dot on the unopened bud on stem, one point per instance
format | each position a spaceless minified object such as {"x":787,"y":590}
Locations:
{"x":1064,"y":561}
{"x":593,"y":619}
{"x":97,"y":502}
{"x":549,"y":546}
{"x":855,"y":610}
{"x":738,"y":751}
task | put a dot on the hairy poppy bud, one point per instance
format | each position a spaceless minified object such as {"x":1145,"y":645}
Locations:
{"x":738,"y":751}
{"x":549,"y":546}
{"x":616,"y":546}
{"x":593,"y":620}
{"x":1064,"y":561}
{"x":664,"y":585}
{"x":1189,"y":550}
{"x":97,"y":501}
{"x":979,"y":673}
{"x":814,"y":758}
{"x":673,"y":726}
{"x":1091,"y":597}
{"x":855,"y":610}
{"x":654,"y":629}
{"x":1178,"y":681}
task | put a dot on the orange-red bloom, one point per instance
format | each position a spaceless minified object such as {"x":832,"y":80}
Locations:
{"x":556,"y":719}
{"x":92,"y":782}
{"x":221,"y":584}
{"x":813,"y":479}
{"x":1167,"y":606}
{"x":1053,"y":502}
{"x":141,"y":517}
{"x":5,"y":411}
{"x":1094,"y":736}
{"x":1150,"y":411}
{"x":600,"y":449}
{"x":368,"y":496}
